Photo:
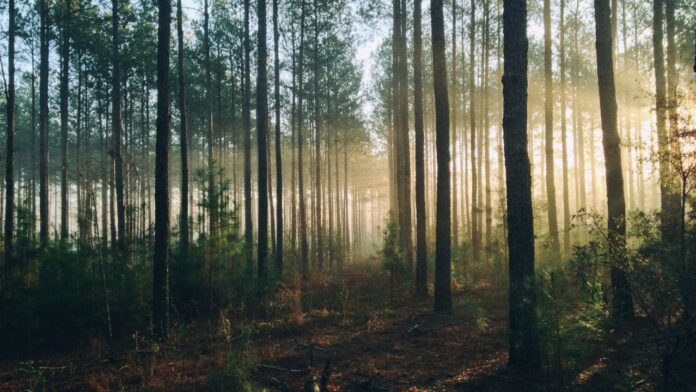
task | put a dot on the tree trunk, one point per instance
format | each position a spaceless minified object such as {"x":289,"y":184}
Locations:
{"x":212,"y":191}
{"x":453,"y":153}
{"x":160,"y":273}
{"x":523,"y":340}
{"x":564,"y":143}
{"x":318,"y":227}
{"x":43,"y":124}
{"x":669,"y":199}
{"x":183,"y":135}
{"x":443,"y":289}
{"x":278,"y":143}
{"x":9,"y":160}
{"x":246,"y":119}
{"x":261,"y":138}
{"x":304,"y":251}
{"x":622,"y":304}
{"x":421,"y":243}
{"x":475,"y":236}
{"x":64,"y":76}
{"x":548,"y":121}
{"x":486,"y":131}
{"x":116,"y":125}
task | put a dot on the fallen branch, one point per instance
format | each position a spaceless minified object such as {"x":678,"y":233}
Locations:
{"x":281,"y":369}
{"x":413,"y":328}
{"x":309,"y":347}
{"x":310,"y":350}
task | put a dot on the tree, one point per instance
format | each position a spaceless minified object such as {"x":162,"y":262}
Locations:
{"x":261,"y":138}
{"x":421,"y":247}
{"x":669,"y":199}
{"x":64,"y":76}
{"x":304,"y":251}
{"x":246,"y":120}
{"x":160,"y":266}
{"x":564,"y":142}
{"x":622,"y":303}
{"x":443,"y":289}
{"x":212,"y":191}
{"x":400,"y":115}
{"x":522,"y":335}
{"x":9,"y":166}
{"x":318,"y":223}
{"x":548,"y":121}
{"x":116,"y":124}
{"x":475,"y":235}
{"x":453,"y":106}
{"x":183,"y":135}
{"x":278,"y":142}
{"x":43,"y":122}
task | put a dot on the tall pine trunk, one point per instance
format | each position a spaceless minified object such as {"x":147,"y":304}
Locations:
{"x":622,"y":304}
{"x":548,"y":123}
{"x":421,"y":247}
{"x":564,"y":142}
{"x":246,"y":119}
{"x":9,"y":162}
{"x":64,"y":76}
{"x":304,"y":246}
{"x":262,"y":140}
{"x":523,"y":340}
{"x":669,"y":199}
{"x":160,"y":273}
{"x":183,"y":135}
{"x":116,"y":125}
{"x":443,"y":289}
{"x":43,"y":123}
{"x":278,"y":144}
{"x":475,"y":235}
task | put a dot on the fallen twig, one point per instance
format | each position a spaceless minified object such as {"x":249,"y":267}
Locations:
{"x":309,"y":347}
{"x":281,"y":369}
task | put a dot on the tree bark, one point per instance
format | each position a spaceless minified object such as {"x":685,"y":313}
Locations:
{"x":523,"y":340}
{"x":443,"y":289}
{"x":43,"y":123}
{"x":622,"y":304}
{"x":160,"y":273}
{"x":304,"y":251}
{"x":262,"y":140}
{"x":548,"y":121}
{"x":318,"y":224}
{"x":421,"y":243}
{"x":564,"y":142}
{"x":116,"y":125}
{"x":183,"y":135}
{"x":669,"y":199}
{"x":246,"y":119}
{"x":475,"y":235}
{"x":9,"y":157}
{"x":65,"y":74}
{"x":278,"y":143}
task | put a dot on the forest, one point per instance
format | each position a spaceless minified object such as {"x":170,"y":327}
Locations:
{"x":348,"y":195}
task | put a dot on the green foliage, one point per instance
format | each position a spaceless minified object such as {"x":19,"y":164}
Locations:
{"x":233,"y":375}
{"x":212,"y":272}
{"x":572,"y":320}
{"x":393,"y":255}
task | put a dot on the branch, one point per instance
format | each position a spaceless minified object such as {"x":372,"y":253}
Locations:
{"x":281,"y":369}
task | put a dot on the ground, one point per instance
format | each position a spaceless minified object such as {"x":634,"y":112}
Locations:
{"x":355,"y":331}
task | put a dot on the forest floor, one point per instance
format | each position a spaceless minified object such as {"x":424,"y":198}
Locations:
{"x":372,"y":345}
